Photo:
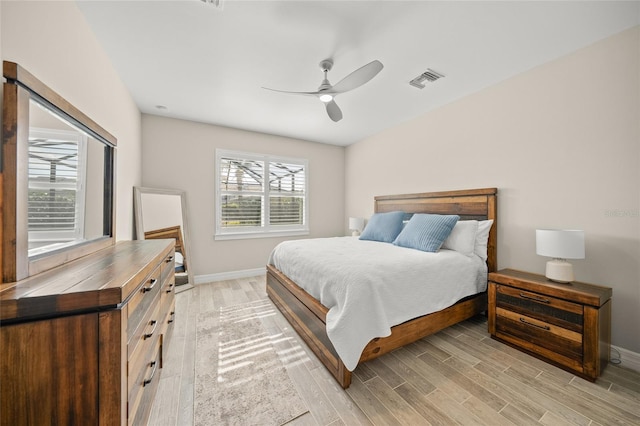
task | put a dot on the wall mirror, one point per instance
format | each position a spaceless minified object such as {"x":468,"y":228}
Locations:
{"x":162,"y":213}
{"x":57,"y":179}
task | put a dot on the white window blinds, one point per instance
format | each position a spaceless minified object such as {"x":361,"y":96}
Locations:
{"x":260,"y":194}
{"x":56,"y":167}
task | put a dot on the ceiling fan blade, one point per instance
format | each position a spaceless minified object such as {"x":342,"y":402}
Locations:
{"x":293,"y":93}
{"x":334,"y":111}
{"x":358,"y":77}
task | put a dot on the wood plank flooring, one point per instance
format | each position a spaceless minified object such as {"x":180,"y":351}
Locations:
{"x":457,"y":376}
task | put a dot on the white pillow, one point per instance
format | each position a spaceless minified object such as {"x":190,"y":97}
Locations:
{"x":482,"y":238}
{"x":463,"y":237}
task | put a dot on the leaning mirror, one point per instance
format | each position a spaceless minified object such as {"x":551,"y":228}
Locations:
{"x":162,"y":213}
{"x":57,"y":179}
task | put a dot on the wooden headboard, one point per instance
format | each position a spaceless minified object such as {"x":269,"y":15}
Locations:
{"x":479,"y":204}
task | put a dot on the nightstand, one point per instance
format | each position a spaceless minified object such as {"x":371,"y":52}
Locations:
{"x":568,"y":325}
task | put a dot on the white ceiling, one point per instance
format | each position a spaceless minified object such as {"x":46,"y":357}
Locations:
{"x":209,"y":65}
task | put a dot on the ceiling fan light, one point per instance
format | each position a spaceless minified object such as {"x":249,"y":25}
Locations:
{"x":326,"y":98}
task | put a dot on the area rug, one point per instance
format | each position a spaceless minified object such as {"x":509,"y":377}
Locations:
{"x":239,"y":378}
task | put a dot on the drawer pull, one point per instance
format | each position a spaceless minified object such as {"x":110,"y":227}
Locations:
{"x":169,"y":259}
{"x":535,"y":298}
{"x":153,"y":364}
{"x":170,"y":288}
{"x":152,"y":283}
{"x":544,"y":327}
{"x":154,"y":323}
{"x":171,"y":314}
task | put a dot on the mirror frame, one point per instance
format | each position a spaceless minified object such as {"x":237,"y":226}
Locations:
{"x":138,"y":191}
{"x":19,"y":88}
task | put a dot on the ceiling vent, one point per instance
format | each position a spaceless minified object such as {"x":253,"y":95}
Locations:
{"x":429,"y":76}
{"x":218,"y":4}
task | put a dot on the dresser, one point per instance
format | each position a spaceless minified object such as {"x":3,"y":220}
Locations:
{"x":568,"y":325}
{"x":84,"y":343}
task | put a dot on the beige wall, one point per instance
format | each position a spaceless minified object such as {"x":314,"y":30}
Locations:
{"x":52,"y":40}
{"x":179,"y":154}
{"x":562,"y":144}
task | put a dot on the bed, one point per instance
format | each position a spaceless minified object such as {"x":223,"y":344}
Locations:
{"x":309,"y":317}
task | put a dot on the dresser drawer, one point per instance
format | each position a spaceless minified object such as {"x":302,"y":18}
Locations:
{"x":168,"y":310}
{"x":167,"y":292}
{"x":144,"y":337}
{"x":142,"y":298}
{"x":167,"y":332}
{"x":167,"y":303}
{"x":168,"y":268}
{"x":143,"y":387}
{"x":544,"y":308}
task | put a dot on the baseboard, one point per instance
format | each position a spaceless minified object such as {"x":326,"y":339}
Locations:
{"x":629,"y":359}
{"x":232,"y":275}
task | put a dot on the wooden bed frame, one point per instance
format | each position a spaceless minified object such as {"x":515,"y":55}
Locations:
{"x":308,"y":316}
{"x":169,"y":232}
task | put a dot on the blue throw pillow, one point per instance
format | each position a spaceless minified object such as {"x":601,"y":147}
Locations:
{"x":426,"y":232}
{"x":383,"y":227}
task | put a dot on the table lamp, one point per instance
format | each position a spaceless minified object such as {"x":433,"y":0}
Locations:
{"x":560,"y":244}
{"x":356,"y":224}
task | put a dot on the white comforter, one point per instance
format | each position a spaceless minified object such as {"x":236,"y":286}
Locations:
{"x":369,"y":286}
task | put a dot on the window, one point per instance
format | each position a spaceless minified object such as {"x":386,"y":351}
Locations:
{"x":57,"y":161}
{"x":260,"y":195}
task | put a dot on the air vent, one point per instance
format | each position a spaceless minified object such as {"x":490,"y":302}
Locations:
{"x":428,"y":76}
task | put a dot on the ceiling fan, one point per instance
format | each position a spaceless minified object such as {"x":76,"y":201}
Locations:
{"x":326,"y":92}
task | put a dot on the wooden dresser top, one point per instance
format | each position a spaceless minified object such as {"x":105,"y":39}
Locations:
{"x":97,"y":281}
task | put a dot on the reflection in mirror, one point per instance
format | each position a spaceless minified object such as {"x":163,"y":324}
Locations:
{"x":56,"y":178}
{"x":65,"y":183}
{"x":162,"y":213}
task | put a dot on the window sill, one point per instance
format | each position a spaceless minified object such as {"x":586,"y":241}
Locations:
{"x":249,"y":235}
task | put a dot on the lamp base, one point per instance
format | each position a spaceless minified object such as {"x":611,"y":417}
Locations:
{"x":559,"y":270}
{"x":355,"y":233}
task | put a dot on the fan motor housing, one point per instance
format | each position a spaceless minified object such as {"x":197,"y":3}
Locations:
{"x":326,"y":65}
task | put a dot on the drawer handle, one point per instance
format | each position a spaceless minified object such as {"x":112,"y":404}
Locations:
{"x":153,"y":364}
{"x":171,"y":314}
{"x":153,"y":283}
{"x":535,"y":298}
{"x":169,"y":259}
{"x":170,"y":288}
{"x":154,"y":323}
{"x":544,"y":327}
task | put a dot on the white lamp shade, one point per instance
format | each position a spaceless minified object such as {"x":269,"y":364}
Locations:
{"x":356,"y":223}
{"x":560,"y":243}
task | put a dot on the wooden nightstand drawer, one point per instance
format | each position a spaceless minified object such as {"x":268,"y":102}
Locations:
{"x":535,"y":335}
{"x":542,"y":307}
{"x":568,"y":325}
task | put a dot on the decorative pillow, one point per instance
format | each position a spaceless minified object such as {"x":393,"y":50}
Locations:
{"x":426,"y":232}
{"x":383,"y":227}
{"x":463,"y":237}
{"x":482,"y":238}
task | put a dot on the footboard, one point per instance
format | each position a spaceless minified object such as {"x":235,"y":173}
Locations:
{"x":426,"y":325}
{"x":308,"y":318}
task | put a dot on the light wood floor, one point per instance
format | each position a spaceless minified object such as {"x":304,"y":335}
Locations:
{"x":457,"y":376}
